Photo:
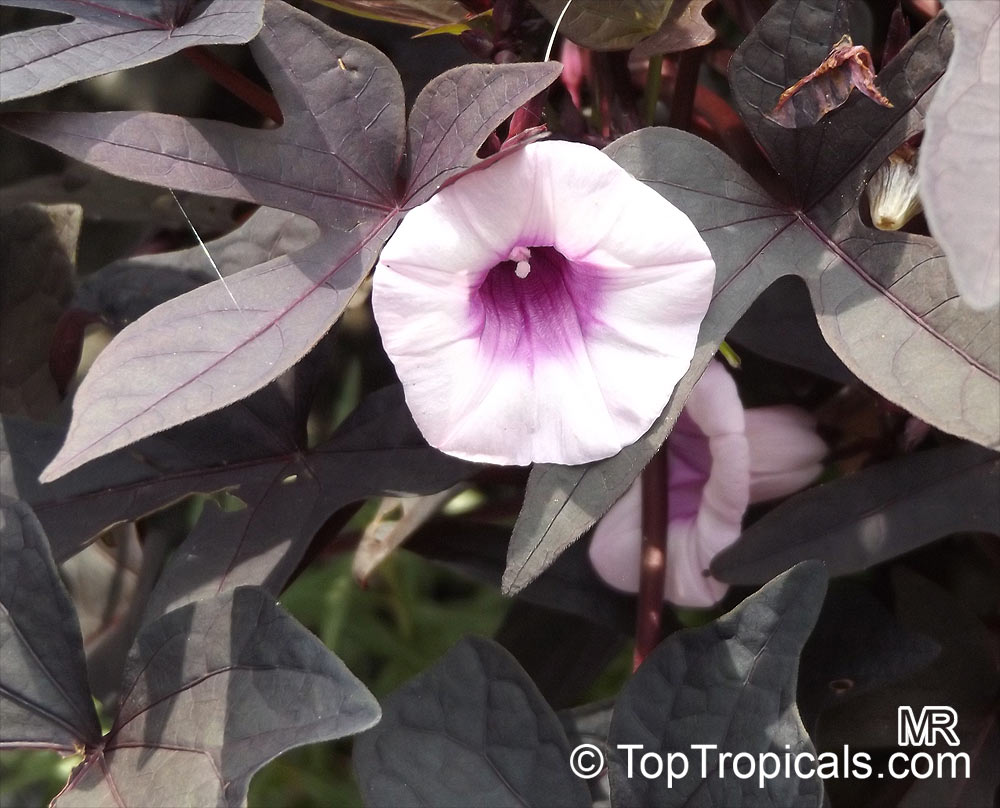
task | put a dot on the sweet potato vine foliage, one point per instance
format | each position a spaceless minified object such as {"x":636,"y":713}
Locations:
{"x":562,"y":300}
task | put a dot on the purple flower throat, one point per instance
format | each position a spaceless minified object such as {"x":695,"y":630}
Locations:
{"x":536,"y":305}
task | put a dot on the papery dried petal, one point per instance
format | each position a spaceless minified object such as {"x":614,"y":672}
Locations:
{"x":847,"y":67}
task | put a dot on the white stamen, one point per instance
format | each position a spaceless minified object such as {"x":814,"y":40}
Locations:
{"x":522,"y":269}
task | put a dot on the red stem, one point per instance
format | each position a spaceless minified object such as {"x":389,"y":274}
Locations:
{"x":234,"y":81}
{"x":685,"y":86}
{"x":653,"y":558}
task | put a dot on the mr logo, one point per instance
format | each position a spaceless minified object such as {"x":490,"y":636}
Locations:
{"x":923,"y":731}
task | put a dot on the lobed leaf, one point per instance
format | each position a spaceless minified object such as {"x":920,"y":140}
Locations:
{"x":250,"y":448}
{"x":731,"y":684}
{"x":378,"y":451}
{"x":115,"y":35}
{"x":959,"y":165}
{"x":440,"y":143}
{"x":126,"y":485}
{"x":44,"y":696}
{"x":334,"y":159}
{"x":211,"y":693}
{"x":472,"y":730}
{"x":876,"y":514}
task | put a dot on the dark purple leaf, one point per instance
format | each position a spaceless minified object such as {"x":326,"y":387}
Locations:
{"x":781,"y":326}
{"x":335,"y":160}
{"x":963,"y":676}
{"x":730,"y":683}
{"x":960,"y":156}
{"x":253,"y":436}
{"x":606,"y":24}
{"x":115,"y":35}
{"x":378,"y":451}
{"x":44,"y":697}
{"x":108,"y":199}
{"x":441,"y":144}
{"x":684,"y":28}
{"x":211,"y":693}
{"x":418,"y":13}
{"x":124,"y":290}
{"x":857,"y":646}
{"x":883,"y":300}
{"x":472,"y":730}
{"x":570,"y":584}
{"x":250,"y":449}
{"x":37,"y":245}
{"x":873,"y":515}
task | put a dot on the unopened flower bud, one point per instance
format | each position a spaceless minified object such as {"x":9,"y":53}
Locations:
{"x":893,"y":191}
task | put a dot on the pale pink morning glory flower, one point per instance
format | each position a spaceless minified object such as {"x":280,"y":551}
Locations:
{"x":720,"y":458}
{"x":541,"y":309}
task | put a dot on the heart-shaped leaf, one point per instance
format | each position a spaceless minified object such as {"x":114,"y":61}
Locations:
{"x":44,"y":697}
{"x":884,"y":301}
{"x":335,"y":160}
{"x":115,"y":35}
{"x":211,"y":693}
{"x":730,"y":684}
{"x":876,"y":514}
{"x":472,"y":730}
{"x":959,"y":165}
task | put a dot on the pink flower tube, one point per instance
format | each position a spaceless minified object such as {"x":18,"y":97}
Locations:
{"x":541,"y":309}
{"x":720,"y":459}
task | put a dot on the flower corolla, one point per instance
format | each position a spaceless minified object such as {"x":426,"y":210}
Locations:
{"x":541,"y":309}
{"x":720,"y":459}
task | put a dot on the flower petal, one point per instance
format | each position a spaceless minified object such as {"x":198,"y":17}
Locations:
{"x":709,"y":483}
{"x":785,"y":451}
{"x":541,"y":309}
